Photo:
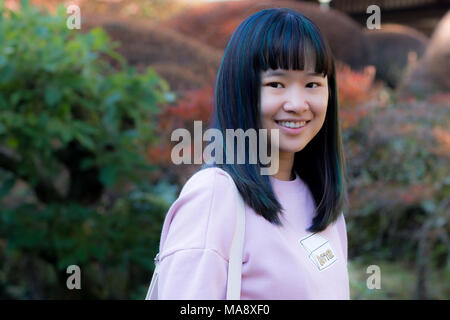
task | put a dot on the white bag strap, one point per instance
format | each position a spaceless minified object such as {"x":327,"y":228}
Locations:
{"x":235,"y":258}
{"x":152,"y":293}
{"x":236,"y":250}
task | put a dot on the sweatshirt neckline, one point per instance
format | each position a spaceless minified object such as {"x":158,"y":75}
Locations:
{"x":278,"y":182}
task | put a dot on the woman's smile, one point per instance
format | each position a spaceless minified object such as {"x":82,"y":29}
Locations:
{"x":292,"y":127}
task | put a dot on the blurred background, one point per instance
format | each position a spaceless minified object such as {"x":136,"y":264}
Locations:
{"x":86,"y":116}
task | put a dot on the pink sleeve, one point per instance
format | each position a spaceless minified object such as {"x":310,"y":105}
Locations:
{"x":196,"y":239}
{"x":193,"y":274}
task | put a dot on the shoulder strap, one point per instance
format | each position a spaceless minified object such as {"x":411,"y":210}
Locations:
{"x":236,"y":250}
{"x":152,"y":293}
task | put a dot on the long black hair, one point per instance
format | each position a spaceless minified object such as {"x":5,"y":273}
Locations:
{"x":279,"y":38}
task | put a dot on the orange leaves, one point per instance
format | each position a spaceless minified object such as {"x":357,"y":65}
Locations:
{"x":355,"y":88}
{"x":442,"y":136}
{"x":194,"y":105}
{"x":414,"y":193}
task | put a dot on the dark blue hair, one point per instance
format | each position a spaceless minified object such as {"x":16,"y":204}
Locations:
{"x":280,"y":38}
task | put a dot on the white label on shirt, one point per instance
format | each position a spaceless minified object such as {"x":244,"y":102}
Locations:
{"x":320,"y":251}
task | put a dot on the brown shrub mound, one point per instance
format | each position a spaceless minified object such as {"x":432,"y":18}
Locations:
{"x":431,"y":73}
{"x":214,"y":23}
{"x":390,"y":47}
{"x":185,"y":63}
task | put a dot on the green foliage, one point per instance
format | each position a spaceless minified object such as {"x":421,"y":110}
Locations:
{"x":66,"y":112}
{"x":57,"y":94}
{"x":114,"y":248}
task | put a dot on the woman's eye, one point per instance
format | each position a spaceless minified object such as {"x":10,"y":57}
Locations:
{"x":316,"y":83}
{"x":274,"y":84}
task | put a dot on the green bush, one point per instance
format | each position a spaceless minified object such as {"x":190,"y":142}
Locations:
{"x":114,"y":249}
{"x":66,"y":112}
{"x":399,"y":186}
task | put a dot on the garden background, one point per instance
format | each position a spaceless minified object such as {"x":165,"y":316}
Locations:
{"x":85,"y":122}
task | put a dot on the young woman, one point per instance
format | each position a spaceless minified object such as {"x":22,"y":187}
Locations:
{"x":277,"y":73}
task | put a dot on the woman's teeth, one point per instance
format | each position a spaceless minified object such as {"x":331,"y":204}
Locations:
{"x":290,"y":124}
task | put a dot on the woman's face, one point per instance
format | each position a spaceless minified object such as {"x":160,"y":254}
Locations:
{"x":293,"y":96}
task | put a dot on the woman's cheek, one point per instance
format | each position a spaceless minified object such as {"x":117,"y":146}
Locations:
{"x":320,"y":106}
{"x":269,"y":108}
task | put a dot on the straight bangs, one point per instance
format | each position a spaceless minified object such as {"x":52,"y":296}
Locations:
{"x":298,"y":42}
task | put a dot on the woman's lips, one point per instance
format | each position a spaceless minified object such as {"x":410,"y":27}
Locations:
{"x":291,"y":131}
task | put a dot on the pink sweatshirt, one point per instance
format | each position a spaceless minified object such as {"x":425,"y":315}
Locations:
{"x":279,"y":263}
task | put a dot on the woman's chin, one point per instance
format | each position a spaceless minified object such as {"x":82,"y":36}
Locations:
{"x":291,"y":149}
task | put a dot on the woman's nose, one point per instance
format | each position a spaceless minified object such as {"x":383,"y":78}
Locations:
{"x":296,"y":101}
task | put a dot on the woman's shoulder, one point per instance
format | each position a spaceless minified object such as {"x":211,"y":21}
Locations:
{"x":203,"y":216}
{"x":206,"y":178}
